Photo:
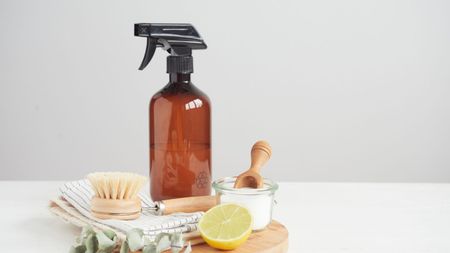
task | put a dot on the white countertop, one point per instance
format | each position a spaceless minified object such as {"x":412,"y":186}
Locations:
{"x":320,"y":217}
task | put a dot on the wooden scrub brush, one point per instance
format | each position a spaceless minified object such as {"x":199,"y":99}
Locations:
{"x":116,"y":195}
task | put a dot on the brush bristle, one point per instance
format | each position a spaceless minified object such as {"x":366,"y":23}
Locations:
{"x":116,"y":185}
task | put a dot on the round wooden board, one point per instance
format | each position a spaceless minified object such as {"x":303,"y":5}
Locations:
{"x":273,"y":239}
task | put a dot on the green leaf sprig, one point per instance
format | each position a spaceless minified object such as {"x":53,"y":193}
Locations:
{"x":95,"y":242}
{"x":106,"y":241}
{"x":137,"y":241}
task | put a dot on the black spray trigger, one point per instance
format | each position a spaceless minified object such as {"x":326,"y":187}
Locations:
{"x":177,"y":39}
{"x":149,"y":52}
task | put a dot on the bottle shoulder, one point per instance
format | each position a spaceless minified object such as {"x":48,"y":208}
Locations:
{"x":179,"y":93}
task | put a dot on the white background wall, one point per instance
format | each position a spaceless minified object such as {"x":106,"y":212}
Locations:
{"x":344,"y":90}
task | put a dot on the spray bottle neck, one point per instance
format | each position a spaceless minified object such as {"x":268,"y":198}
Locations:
{"x":179,"y":78}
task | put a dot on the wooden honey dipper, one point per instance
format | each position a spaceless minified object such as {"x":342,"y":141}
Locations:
{"x":260,"y":154}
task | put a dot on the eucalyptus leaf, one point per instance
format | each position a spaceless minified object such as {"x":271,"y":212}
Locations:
{"x":78,"y":249}
{"x":124,"y":248}
{"x":176,"y":242}
{"x":151,"y":248}
{"x":162,"y":241}
{"x":162,"y":235}
{"x":104,"y":243}
{"x":147,"y":240}
{"x":91,"y":243}
{"x":85,"y":232}
{"x":110,"y":234}
{"x":135,"y":239}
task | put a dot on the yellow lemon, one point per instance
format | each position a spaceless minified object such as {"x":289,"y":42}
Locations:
{"x":226,"y":226}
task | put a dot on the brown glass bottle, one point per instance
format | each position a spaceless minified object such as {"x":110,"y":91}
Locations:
{"x":180,"y":140}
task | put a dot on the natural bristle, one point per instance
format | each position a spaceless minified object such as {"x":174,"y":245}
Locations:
{"x":116,"y":185}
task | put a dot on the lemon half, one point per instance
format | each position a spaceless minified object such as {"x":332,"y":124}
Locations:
{"x":226,"y":226}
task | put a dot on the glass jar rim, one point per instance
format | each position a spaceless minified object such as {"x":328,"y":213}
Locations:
{"x":219,"y":186}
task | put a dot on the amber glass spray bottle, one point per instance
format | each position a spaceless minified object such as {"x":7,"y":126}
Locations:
{"x":180,"y":116}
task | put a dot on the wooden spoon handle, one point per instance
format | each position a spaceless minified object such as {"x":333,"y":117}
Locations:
{"x":189,"y":204}
{"x":261,"y":152}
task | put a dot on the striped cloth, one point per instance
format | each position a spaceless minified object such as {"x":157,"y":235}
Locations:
{"x":79,"y":195}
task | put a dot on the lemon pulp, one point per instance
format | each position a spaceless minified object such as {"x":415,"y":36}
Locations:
{"x":226,"y":226}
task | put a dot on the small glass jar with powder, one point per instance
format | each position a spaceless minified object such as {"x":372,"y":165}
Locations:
{"x":258,"y":201}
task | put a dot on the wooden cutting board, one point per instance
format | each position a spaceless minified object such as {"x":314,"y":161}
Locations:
{"x":273,"y":239}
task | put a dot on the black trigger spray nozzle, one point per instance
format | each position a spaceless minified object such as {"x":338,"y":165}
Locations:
{"x":178,"y":39}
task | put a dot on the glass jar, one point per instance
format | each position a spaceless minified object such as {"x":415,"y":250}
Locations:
{"x":258,"y":201}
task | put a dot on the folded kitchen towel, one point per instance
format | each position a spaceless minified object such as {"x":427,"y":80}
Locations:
{"x":74,"y":206}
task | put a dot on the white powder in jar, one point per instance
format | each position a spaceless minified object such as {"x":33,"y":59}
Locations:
{"x":259,"y":204}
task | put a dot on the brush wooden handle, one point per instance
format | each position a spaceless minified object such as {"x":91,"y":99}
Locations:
{"x":261,"y":152}
{"x":189,"y":204}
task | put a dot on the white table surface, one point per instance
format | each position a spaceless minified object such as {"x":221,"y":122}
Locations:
{"x":320,"y":217}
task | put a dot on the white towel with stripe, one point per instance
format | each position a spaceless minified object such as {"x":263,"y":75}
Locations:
{"x":79,"y":194}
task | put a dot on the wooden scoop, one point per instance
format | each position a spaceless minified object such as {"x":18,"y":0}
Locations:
{"x":251,"y":178}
